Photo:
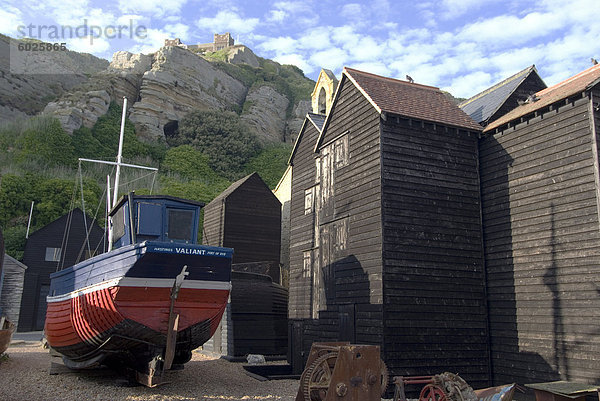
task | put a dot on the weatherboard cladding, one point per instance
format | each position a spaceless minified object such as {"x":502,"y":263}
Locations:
{"x":539,"y":186}
{"x":37,"y":275}
{"x":489,"y":104}
{"x":246,"y":217}
{"x":412,"y":271}
{"x":570,"y":87}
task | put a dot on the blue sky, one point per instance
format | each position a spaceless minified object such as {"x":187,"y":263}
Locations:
{"x":462,"y":46}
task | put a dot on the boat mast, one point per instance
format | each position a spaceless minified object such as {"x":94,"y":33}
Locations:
{"x":119,"y":163}
{"x":120,"y":153}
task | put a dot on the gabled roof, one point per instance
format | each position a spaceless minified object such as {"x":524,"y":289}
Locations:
{"x":409,"y":99}
{"x":318,"y":120}
{"x":223,"y":195}
{"x":13,"y":261}
{"x":389,"y":95}
{"x":485,"y":104}
{"x":578,"y":83}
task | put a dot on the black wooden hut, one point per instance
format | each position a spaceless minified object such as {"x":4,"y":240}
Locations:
{"x":247,"y":217}
{"x":540,"y":203}
{"x":59,"y":244}
{"x":386,"y":244}
{"x":494,"y":102}
{"x":11,"y":283}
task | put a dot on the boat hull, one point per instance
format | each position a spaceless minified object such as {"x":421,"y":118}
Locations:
{"x":116,"y":307}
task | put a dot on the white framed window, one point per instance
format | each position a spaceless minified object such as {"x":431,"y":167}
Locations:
{"x":309,"y":200}
{"x":53,"y":254}
{"x":341,"y":152}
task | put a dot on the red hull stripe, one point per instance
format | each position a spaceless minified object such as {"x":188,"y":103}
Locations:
{"x":143,"y":282}
{"x":86,"y":317}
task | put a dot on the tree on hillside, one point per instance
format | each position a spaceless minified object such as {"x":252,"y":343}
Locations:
{"x":222,"y":136}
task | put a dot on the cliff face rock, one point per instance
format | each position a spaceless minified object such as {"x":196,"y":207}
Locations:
{"x":265,"y":111}
{"x":240,"y":54}
{"x":83,"y":110}
{"x":179,"y":82}
{"x":31,"y":79}
{"x":295,"y":123}
{"x":161,"y":88}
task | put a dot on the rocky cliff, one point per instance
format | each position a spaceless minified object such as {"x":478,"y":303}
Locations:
{"x":161,"y":87}
{"x":29,"y":80}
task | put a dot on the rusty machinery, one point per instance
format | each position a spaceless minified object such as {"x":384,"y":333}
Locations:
{"x":343,"y":372}
{"x":443,"y":387}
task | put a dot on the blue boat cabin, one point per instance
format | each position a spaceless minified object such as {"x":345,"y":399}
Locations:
{"x":155,"y":218}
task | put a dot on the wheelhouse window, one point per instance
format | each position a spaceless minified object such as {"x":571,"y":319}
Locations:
{"x":180,"y":224}
{"x":53,"y":254}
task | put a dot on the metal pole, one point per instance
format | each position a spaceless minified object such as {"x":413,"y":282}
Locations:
{"x":29,"y":222}
{"x":120,"y":154}
{"x":108,"y":219}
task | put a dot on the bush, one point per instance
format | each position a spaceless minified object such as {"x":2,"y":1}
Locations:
{"x":223,"y":137}
{"x":271,"y":163}
{"x":190,"y":163}
{"x":48,"y":143}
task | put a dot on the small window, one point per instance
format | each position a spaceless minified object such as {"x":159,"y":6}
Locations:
{"x":309,"y":201}
{"x":307,"y":264}
{"x":180,"y":223}
{"x":341,"y":152}
{"x":53,"y":254}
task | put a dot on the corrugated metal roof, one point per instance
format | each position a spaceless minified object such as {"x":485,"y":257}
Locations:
{"x":483,"y":105}
{"x":569,"y":87}
{"x":410,"y":100}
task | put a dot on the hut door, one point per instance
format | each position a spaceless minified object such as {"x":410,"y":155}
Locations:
{"x":40,"y":315}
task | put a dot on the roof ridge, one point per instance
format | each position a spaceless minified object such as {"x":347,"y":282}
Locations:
{"x":498,"y":85}
{"x":568,"y":80}
{"x":391,"y":79}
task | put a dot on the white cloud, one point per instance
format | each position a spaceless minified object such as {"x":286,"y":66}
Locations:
{"x":153,"y":7}
{"x":352,"y":11}
{"x":11,"y":23}
{"x":88,"y":44}
{"x":228,"y":20}
{"x":470,"y":84}
{"x":280,"y":45}
{"x":332,"y":58}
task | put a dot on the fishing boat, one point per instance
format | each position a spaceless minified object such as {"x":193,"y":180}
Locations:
{"x":144,"y":305}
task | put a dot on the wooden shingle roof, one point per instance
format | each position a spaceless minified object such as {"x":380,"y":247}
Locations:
{"x":411,"y":100}
{"x":485,"y":104}
{"x":567,"y":88}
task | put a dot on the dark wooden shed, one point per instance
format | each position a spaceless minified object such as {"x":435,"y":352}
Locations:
{"x":386,"y":244}
{"x":13,"y":277}
{"x":540,"y":202}
{"x":59,"y":244}
{"x":245,"y":217}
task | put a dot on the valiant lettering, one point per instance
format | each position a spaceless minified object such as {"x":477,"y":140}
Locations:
{"x":187,"y":251}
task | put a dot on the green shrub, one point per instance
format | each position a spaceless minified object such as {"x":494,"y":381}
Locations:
{"x":271,"y":163}
{"x":223,"y":137}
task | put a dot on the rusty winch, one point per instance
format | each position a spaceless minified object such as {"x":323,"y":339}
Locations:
{"x":340,"y":371}
{"x":443,"y":387}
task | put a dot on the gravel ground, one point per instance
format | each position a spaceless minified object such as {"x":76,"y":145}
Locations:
{"x":24,"y":376}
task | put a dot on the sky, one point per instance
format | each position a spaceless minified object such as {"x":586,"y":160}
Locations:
{"x":461,"y":46}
